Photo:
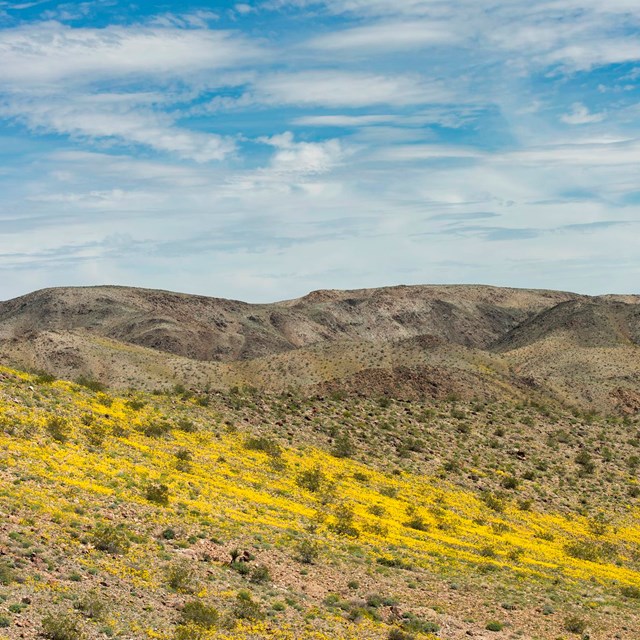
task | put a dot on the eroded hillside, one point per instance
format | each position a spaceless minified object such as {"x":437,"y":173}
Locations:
{"x":409,"y":342}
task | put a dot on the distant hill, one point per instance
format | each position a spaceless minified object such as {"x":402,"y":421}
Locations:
{"x":406,"y":341}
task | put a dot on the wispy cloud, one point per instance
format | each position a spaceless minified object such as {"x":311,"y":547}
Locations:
{"x":44,"y":54}
{"x":286,"y":145}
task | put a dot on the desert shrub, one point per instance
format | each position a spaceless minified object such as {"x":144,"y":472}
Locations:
{"x":242,"y":568}
{"x":260,"y":575}
{"x":61,"y":626}
{"x":135,"y":404}
{"x":344,"y":524}
{"x":389,"y":491}
{"x":157,"y":429}
{"x":246,"y":608}
{"x":399,"y":634}
{"x":90,"y":383}
{"x":630,"y":591}
{"x":494,"y":625}
{"x":418,"y":523}
{"x":180,"y":576}
{"x":189,"y":632}
{"x":200,"y":614}
{"x":43,"y":377}
{"x":183,"y":460}
{"x":510,"y":482}
{"x":96,"y":433}
{"x":263,"y":444}
{"x":158,"y":493}
{"x":586,"y":462}
{"x":111,"y":539}
{"x":58,"y":428}
{"x":307,"y":552}
{"x":4,"y":622}
{"x":494,"y":501}
{"x":394,"y":563}
{"x":575,"y":624}
{"x":183,"y":454}
{"x":7,"y":574}
{"x":342,"y":447}
{"x":599,"y":524}
{"x":187,"y":426}
{"x":92,"y":606}
{"x":414,"y":624}
{"x":311,"y":479}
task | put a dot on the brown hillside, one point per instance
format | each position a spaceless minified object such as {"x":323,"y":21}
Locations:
{"x":407,"y":341}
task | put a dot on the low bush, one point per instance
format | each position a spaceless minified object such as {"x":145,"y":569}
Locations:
{"x":200,"y":614}
{"x":60,"y":626}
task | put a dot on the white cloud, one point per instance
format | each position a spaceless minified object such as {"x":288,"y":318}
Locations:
{"x":387,"y":36}
{"x":303,"y":157}
{"x":104,"y":117}
{"x":346,"y":89}
{"x":581,"y":115}
{"x":45,"y":54}
{"x":344,"y":121}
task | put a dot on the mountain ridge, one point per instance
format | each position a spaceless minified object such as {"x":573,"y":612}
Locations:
{"x":478,"y":337}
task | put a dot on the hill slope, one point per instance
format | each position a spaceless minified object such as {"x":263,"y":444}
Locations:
{"x":405,"y":341}
{"x":251,"y":516}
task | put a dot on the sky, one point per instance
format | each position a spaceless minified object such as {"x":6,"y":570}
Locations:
{"x":265,"y":149}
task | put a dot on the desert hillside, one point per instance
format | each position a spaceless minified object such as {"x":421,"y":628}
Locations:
{"x":406,"y":341}
{"x":250,"y":516}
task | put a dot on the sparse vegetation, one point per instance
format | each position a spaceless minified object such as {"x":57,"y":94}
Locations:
{"x":195,"y":532}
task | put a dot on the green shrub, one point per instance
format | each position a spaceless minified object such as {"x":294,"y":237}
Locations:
{"x":418,"y":625}
{"x":44,"y":377}
{"x":200,"y":614}
{"x":585,"y":461}
{"x":418,"y":523}
{"x":399,"y":634}
{"x":157,"y":429}
{"x":90,"y":383}
{"x":494,"y":501}
{"x":307,"y":552}
{"x":92,"y":606}
{"x":189,"y":632}
{"x":494,"y":625}
{"x":630,"y":591}
{"x":344,"y":524}
{"x":114,"y":540}
{"x":7,"y":574}
{"x":158,"y":493}
{"x":589,"y":550}
{"x":264,"y":444}
{"x":59,"y":626}
{"x":260,"y":575}
{"x":342,"y":447}
{"x":574,"y":624}
{"x":58,"y":428}
{"x":180,"y":576}
{"x":311,"y":479}
{"x":135,"y":404}
{"x":246,"y":608}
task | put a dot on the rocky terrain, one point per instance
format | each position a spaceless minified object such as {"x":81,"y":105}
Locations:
{"x":408,"y":463}
{"x":408,"y":341}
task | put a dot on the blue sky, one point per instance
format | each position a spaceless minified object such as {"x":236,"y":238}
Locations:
{"x":260,"y":150}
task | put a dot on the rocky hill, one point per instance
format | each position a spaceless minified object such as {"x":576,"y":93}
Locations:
{"x":406,"y":340}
